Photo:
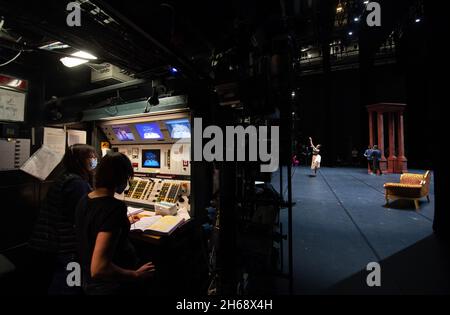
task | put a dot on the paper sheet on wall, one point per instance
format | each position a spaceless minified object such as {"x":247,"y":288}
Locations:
{"x":76,"y":137}
{"x":7,"y":155}
{"x":12,"y":105}
{"x":42,"y":163}
{"x":55,"y":140}
{"x":14,"y":153}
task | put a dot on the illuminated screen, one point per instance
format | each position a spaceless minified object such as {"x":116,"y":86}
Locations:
{"x":151,"y":158}
{"x":123,"y":133}
{"x":179,"y":129}
{"x":149,"y":131}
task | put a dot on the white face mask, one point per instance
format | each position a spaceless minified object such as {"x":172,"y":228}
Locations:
{"x":93,"y":163}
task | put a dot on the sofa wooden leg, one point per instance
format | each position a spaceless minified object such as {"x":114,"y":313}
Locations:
{"x":416,"y":203}
{"x":387,"y":202}
{"x":428,"y":198}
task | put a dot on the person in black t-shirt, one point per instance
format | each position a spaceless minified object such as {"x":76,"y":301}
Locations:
{"x":109,"y":263}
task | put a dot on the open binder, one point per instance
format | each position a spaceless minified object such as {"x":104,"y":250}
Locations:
{"x":156,"y":224}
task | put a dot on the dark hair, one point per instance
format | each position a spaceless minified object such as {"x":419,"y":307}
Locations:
{"x":74,"y":159}
{"x":114,"y":170}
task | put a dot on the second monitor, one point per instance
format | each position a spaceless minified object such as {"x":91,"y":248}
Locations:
{"x":149,"y":131}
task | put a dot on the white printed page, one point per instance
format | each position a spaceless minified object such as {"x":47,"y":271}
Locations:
{"x":166,"y":224}
{"x":55,"y":140}
{"x":42,"y":163}
{"x":133,"y":211}
{"x":145,"y":222}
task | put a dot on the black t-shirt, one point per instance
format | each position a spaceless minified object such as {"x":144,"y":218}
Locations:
{"x":73,"y":191}
{"x":103,"y":214}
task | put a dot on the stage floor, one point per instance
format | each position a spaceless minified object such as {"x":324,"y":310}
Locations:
{"x":341,"y":224}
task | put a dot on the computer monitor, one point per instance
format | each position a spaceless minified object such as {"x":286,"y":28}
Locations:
{"x":149,"y":131}
{"x":179,"y":129}
{"x":123,"y":133}
{"x":151,"y":158}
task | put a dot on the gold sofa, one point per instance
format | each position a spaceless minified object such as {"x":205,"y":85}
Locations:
{"x":411,"y":187}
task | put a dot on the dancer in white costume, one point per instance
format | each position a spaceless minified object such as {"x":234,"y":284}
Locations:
{"x":316,"y":158}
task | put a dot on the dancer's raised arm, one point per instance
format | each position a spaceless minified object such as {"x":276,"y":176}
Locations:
{"x":312,"y":144}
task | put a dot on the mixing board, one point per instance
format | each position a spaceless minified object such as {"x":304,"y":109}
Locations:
{"x":148,"y":191}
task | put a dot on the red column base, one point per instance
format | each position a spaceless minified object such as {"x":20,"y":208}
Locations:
{"x":384,"y":166}
{"x":401,"y":165}
{"x":391,"y":164}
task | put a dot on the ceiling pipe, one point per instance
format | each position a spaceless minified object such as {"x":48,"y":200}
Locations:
{"x":110,"y":88}
{"x":23,"y":47}
{"x":188,"y":67}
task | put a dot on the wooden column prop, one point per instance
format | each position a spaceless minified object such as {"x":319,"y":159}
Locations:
{"x":395,"y":163}
{"x":392,"y":159}
{"x":370,"y":137}
{"x":380,"y":126}
{"x":402,"y":161}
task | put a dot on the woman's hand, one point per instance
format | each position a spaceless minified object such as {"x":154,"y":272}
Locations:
{"x":146,"y":271}
{"x":133,"y":218}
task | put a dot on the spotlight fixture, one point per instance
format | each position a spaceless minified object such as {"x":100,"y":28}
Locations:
{"x":356,"y":19}
{"x":152,"y":101}
{"x":418,"y":20}
{"x":173,"y":70}
{"x":350,"y":33}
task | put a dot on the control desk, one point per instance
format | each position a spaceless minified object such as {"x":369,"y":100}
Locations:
{"x":159,"y":148}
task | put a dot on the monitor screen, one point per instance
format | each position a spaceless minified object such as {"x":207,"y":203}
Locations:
{"x":179,"y":129}
{"x":123,"y":133}
{"x":151,"y":158}
{"x":149,"y":131}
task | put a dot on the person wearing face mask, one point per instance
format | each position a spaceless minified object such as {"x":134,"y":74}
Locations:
{"x":53,"y":243}
{"x":108,"y":260}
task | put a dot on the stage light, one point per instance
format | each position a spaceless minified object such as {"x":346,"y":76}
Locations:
{"x":366,"y":2}
{"x":356,"y":19}
{"x":350,"y":33}
{"x":173,"y":70}
{"x":73,"y":62}
{"x":418,"y":20}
